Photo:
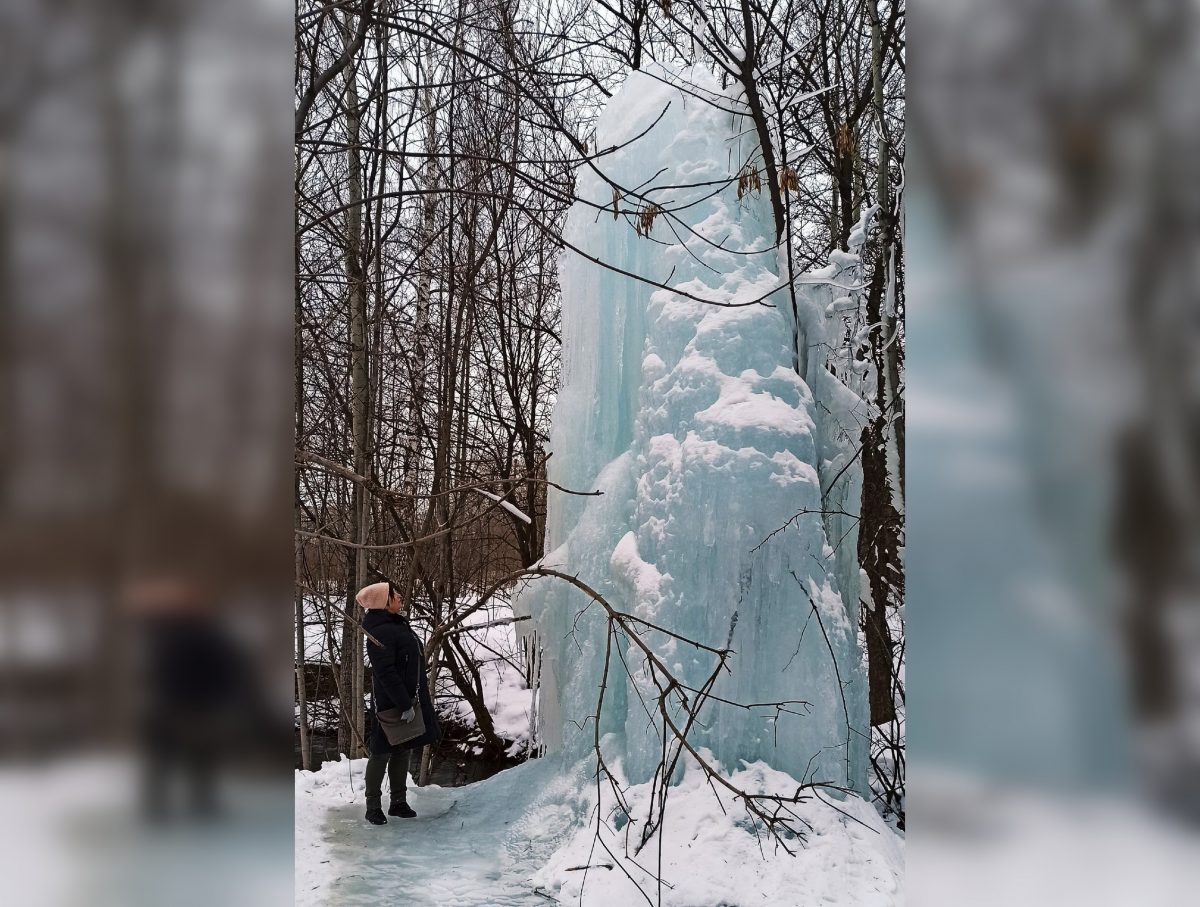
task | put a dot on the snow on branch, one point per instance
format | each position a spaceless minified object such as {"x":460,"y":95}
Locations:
{"x":511,"y":508}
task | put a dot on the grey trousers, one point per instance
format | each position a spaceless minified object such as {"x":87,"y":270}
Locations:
{"x":396,"y":767}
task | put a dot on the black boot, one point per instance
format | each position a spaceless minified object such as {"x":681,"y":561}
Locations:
{"x":375,"y":813}
{"x":402,"y":809}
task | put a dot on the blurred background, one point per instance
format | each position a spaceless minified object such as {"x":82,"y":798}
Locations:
{"x":145,"y":451}
{"x":1054,"y":634}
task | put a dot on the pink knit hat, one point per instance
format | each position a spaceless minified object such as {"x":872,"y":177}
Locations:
{"x":373,"y":596}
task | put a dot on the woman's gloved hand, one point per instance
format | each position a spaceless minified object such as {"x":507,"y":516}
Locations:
{"x":410,"y":714}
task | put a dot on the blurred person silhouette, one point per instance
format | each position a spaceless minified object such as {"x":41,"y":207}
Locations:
{"x":194,"y":683}
{"x":404,"y":718}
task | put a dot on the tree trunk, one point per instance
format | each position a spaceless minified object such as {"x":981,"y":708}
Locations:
{"x":298,"y":393}
{"x":360,"y":402}
{"x":426,"y":262}
{"x":301,"y":691}
{"x":747,"y":74}
{"x":878,"y":554}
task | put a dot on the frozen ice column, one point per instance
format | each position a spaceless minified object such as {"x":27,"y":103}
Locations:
{"x":707,"y":446}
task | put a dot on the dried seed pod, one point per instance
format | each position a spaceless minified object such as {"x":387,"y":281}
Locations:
{"x":616,"y":204}
{"x":646,"y":219}
{"x":748,"y":180}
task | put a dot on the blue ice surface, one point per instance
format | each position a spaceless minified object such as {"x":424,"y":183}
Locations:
{"x":464,"y":849}
{"x":692,"y":420}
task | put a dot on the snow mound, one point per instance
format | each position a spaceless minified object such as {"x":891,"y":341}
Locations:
{"x":713,"y":854}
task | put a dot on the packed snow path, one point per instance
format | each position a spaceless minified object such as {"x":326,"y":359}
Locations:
{"x":454,"y":854}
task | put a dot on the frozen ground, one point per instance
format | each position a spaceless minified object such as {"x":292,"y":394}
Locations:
{"x":452,"y":855}
{"x":995,"y":844}
{"x":73,"y":835}
{"x":517,"y":839}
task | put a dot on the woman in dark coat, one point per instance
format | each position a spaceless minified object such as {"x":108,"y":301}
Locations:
{"x":399,"y":681}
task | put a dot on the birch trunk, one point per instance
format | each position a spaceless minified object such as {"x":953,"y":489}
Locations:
{"x":360,"y":401}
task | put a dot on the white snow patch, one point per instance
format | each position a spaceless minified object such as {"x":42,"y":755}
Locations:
{"x":830,"y":605}
{"x":643,"y":581}
{"x":712,"y":854}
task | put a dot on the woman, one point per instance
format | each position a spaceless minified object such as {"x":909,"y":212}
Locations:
{"x":399,"y":681}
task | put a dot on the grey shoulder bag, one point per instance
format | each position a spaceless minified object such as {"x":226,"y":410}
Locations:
{"x":396,"y":729}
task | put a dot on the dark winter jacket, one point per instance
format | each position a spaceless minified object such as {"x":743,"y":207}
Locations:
{"x":398,"y":676}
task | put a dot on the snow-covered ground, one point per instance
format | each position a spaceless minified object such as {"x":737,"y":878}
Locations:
{"x":72,"y":834}
{"x":456,"y":853}
{"x":995,"y":844}
{"x":521,"y":838}
{"x":712,"y":853}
